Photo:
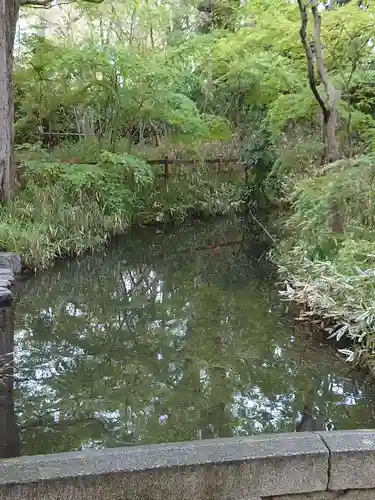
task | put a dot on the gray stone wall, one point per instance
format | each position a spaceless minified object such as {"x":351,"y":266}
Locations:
{"x":10,"y":266}
{"x":311,"y":466}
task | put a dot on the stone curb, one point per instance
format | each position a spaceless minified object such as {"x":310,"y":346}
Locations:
{"x":310,"y":465}
{"x":352,"y":459}
{"x":261,"y":465}
{"x":10,"y":265}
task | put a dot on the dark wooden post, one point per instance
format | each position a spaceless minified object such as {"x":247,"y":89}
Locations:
{"x":166,"y":168}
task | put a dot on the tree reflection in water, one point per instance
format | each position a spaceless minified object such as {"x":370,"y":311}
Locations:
{"x":10,"y":445}
{"x":168,"y":337}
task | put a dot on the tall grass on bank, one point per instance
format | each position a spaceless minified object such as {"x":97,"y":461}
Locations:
{"x":64,"y":210}
{"x":332,"y":276}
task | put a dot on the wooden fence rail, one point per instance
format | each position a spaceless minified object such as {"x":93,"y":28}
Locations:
{"x":166,"y":162}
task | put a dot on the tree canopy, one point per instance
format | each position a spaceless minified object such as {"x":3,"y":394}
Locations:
{"x":146,"y":73}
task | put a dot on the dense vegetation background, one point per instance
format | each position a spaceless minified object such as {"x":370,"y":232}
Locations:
{"x":286,"y":88}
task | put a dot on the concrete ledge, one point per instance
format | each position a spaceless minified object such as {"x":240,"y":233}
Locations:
{"x":239,"y":468}
{"x":306,"y":466}
{"x":352,"y":459}
{"x":143,"y":486}
{"x":330,"y":495}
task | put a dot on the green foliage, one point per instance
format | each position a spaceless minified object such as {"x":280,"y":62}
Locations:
{"x":197,"y":194}
{"x":348,"y":184}
{"x":110,"y":90}
{"x":258,"y":153}
{"x":66,"y":209}
{"x":332,"y":274}
{"x":129,"y":167}
{"x":116,"y":85}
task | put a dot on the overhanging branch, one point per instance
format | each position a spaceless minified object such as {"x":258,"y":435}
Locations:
{"x":322,"y":70}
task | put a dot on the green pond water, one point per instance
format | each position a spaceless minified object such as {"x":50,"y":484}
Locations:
{"x":169,"y":335}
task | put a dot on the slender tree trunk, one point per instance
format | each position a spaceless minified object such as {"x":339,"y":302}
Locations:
{"x":8,"y":22}
{"x":314,"y":56}
{"x":332,"y":95}
{"x":315,"y":60}
{"x":329,"y":134}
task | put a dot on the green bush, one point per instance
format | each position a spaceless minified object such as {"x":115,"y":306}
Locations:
{"x":333,"y":275}
{"x":64,"y":210}
{"x":196,"y":194}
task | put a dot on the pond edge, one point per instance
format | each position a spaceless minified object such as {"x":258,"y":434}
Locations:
{"x":262,"y":465}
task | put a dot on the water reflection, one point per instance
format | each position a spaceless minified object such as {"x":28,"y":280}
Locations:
{"x":10,"y":445}
{"x":168,"y":336}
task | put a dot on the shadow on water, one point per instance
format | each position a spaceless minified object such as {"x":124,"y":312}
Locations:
{"x":10,"y":445}
{"x":169,"y":335}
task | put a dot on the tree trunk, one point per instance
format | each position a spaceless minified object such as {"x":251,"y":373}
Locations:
{"x":329,"y":135}
{"x":332,"y":95}
{"x":8,"y":22}
{"x":315,"y":60}
{"x":314,"y":56}
{"x":329,"y":114}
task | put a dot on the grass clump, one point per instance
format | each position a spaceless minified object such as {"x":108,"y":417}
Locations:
{"x":65,"y":209}
{"x":332,"y":275}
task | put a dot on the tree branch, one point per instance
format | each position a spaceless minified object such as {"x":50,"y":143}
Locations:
{"x":310,"y":58}
{"x":322,"y":70}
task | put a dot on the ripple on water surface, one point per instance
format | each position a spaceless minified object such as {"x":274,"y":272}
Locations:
{"x":169,"y":335}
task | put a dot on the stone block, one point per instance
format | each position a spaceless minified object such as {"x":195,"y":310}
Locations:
{"x":330,"y":495}
{"x":10,"y":260}
{"x":222,"y":469}
{"x":359,"y":495}
{"x":4,"y":283}
{"x":143,"y":486}
{"x":352,"y":461}
{"x":5,"y":295}
{"x":322,"y":495}
{"x":7,"y":274}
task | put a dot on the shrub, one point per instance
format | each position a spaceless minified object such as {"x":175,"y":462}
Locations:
{"x":65,"y":209}
{"x":333,"y":275}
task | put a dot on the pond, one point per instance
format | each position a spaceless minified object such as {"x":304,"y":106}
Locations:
{"x":168,"y":335}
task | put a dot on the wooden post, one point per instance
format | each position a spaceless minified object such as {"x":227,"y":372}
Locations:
{"x":50,"y":134}
{"x":166,"y":168}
